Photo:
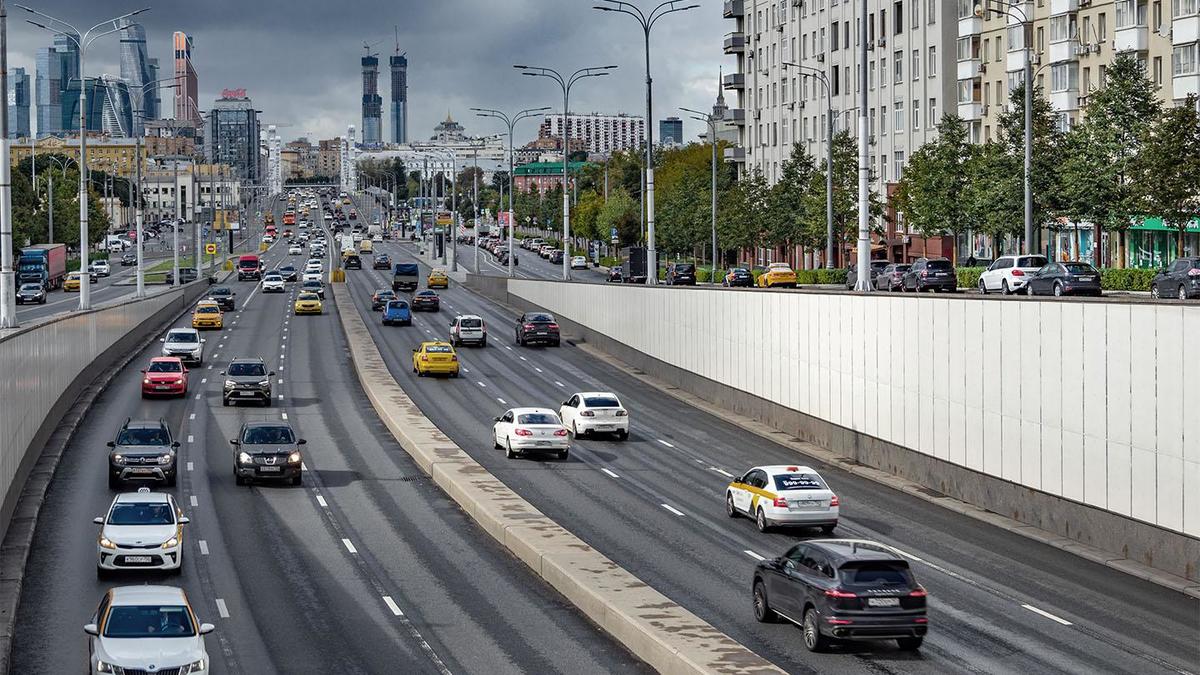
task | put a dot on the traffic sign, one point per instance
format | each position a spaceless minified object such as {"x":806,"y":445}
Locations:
{"x":210,"y":249}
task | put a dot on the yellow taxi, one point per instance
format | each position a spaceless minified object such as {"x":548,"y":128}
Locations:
{"x":781,"y":495}
{"x":438,"y":278}
{"x":778,"y":275}
{"x":435,"y":358}
{"x":73,"y":282}
{"x":308,"y":303}
{"x":208,"y":314}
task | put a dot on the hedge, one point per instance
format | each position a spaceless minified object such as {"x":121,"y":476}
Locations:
{"x":968,"y":277}
{"x":1112,"y":279}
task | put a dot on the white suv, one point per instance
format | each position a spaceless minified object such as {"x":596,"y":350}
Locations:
{"x":1010,"y":273}
{"x":595,"y":412}
{"x":147,"y":629}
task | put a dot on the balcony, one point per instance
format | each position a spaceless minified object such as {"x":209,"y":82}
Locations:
{"x":968,"y":26}
{"x":736,"y":115}
{"x":1015,"y":61}
{"x":735,"y":81}
{"x":737,"y":155}
{"x":1063,"y":6}
{"x":1064,"y":50}
{"x":1131,"y":39}
{"x":734,"y":9}
{"x":971,"y":111}
{"x":1186,"y":85}
{"x":1064,"y":101}
{"x":1185,"y":29}
{"x":969,"y":69}
{"x":735,"y":43}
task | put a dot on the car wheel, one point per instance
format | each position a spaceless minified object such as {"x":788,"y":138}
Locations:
{"x":1154,"y":291}
{"x":483,"y":342}
{"x":730,"y":509}
{"x":114,"y":483}
{"x":495,"y":443}
{"x":556,"y":343}
{"x":813,"y":640}
{"x":828,"y":529}
{"x":982,"y":287}
{"x":177,"y":570}
{"x":760,"y":520}
{"x":562,"y":454}
{"x":508,"y":451}
{"x":101,"y":574}
{"x":1058,"y":289}
{"x":298,"y":480}
{"x":224,"y":402}
{"x":762,"y":608}
{"x":237,"y":479}
{"x":1182,"y":292}
{"x":622,"y":435}
{"x":911,"y":644}
{"x":1004,"y":288}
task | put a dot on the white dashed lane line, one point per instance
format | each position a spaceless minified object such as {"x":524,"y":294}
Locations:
{"x":537,"y":369}
{"x":193,"y":415}
{"x":191,"y":439}
{"x":222,"y":609}
{"x":1046,"y":614}
{"x":194,"y":501}
{"x":203,"y":547}
{"x":482,"y":385}
{"x":190,"y":466}
{"x":349,"y":546}
{"x":754,"y":555}
{"x":391,"y":604}
{"x":723,"y":472}
{"x":665,"y":443}
{"x":284,"y":415}
{"x":321,"y":501}
{"x":559,"y":383}
{"x":672,"y":509}
{"x":610,"y":473}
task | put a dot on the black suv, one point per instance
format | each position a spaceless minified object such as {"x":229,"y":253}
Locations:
{"x":931,"y":273}
{"x":681,"y":274}
{"x":1180,"y":280}
{"x":534,"y":327}
{"x":142,"y":450}
{"x":247,"y":380}
{"x":267,"y":450}
{"x":223,"y":296}
{"x":842,"y":589}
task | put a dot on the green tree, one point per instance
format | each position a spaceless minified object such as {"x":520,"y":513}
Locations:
{"x":845,"y":192}
{"x":1167,"y":172}
{"x":930,"y":192}
{"x":789,"y":217}
{"x":743,"y":212}
{"x":988,"y":200}
{"x":620,"y":211}
{"x":585,"y":215}
{"x":1044,"y":174}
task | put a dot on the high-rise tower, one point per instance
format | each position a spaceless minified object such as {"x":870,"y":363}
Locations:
{"x":399,"y":64}
{"x":135,"y":70}
{"x":187,"y":94}
{"x":372,"y":102}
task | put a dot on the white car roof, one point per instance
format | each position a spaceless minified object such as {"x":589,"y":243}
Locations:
{"x":596,"y":393}
{"x":531,"y":411}
{"x":189,"y":331}
{"x":142,"y":498}
{"x":148,"y":595}
{"x":776,"y":469}
{"x":468,"y":316}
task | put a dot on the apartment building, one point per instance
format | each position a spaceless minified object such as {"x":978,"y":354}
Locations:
{"x":602,"y":133}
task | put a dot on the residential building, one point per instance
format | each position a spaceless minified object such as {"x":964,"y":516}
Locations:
{"x":105,"y":153}
{"x":670,"y":131}
{"x":602,"y":133}
{"x":187,"y":94}
{"x":18,"y":103}
{"x":544,"y":176}
{"x":372,"y":102}
{"x":399,"y":65}
{"x":135,"y":70}
{"x":233,"y":136}
{"x":329,"y":157}
{"x":172,"y":188}
{"x":305,"y":155}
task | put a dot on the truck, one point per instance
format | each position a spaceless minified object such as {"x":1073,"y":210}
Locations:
{"x":405,"y":277}
{"x":249,"y":267}
{"x":44,"y":264}
{"x":635,"y":266}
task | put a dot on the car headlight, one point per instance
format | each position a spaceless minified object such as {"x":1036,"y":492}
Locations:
{"x":172,"y":542}
{"x":103,"y":667}
{"x":194,"y":666}
{"x":165,"y":459}
{"x":264,"y":383}
{"x":145,"y":380}
{"x":105,"y":542}
{"x":245,"y":458}
{"x":294,"y":458}
{"x":230,"y":384}
{"x":118,"y":459}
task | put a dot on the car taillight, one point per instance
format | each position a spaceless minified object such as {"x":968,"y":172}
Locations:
{"x":835,"y":593}
{"x":920,"y":592}
{"x":561,"y":432}
{"x":523,"y":432}
{"x":1018,"y":273}
{"x":587,"y":413}
{"x":622,"y":413}
{"x":1194,"y":272}
{"x":780,"y":502}
{"x":840,"y":622}
{"x":424,"y":358}
{"x":528,"y":326}
{"x":553,"y":325}
{"x":453,"y":357}
{"x":834,"y":501}
{"x":924,"y":274}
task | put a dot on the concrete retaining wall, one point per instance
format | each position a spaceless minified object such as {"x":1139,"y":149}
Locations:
{"x":1068,"y":416}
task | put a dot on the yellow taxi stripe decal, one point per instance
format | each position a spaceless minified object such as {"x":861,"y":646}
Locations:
{"x":757,"y":492}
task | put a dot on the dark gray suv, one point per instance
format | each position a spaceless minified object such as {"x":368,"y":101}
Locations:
{"x":267,"y":450}
{"x":142,"y":451}
{"x":247,"y":380}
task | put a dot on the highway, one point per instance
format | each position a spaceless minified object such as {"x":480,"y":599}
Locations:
{"x":366,"y":568}
{"x":999,"y":602}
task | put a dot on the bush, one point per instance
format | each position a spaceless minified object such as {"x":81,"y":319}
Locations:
{"x":806,"y":277}
{"x":968,"y":277}
{"x":610,"y":262}
{"x":1112,"y":279}
{"x":834,"y":276}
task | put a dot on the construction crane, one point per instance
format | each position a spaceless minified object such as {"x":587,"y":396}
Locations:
{"x":367,"y":46}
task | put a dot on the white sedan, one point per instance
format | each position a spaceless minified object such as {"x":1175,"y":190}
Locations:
{"x":579,"y":263}
{"x":273,"y":283}
{"x":528,"y":430}
{"x":313,"y":265}
{"x":594,"y":412}
{"x":311,"y":276}
{"x":295,"y":249}
{"x":783,"y":495}
{"x":146,"y":629}
{"x":143,"y":530}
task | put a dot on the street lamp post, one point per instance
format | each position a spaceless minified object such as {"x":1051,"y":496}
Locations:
{"x":566,"y":83}
{"x":863,"y":282}
{"x":647,"y":22}
{"x":82,"y":41}
{"x":62,"y":164}
{"x":510,"y":121}
{"x":711,"y":120}
{"x":821,"y":77}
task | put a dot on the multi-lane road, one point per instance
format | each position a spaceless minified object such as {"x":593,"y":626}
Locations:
{"x":366,"y":568}
{"x":654,"y":504}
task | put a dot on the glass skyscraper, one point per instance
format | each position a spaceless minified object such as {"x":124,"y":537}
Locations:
{"x":232,"y":135}
{"x":18,"y":103}
{"x":135,"y":70}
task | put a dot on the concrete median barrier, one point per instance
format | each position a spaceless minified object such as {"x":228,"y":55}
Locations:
{"x":652,"y":626}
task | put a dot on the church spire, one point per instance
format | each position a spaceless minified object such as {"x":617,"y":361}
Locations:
{"x":719,"y":107}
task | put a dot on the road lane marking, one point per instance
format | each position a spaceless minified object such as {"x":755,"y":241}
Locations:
{"x":524,"y":359}
{"x":210,"y":367}
{"x":559,"y":383}
{"x":508,"y":348}
{"x":193,"y":415}
{"x":723,"y":472}
{"x":303,"y":466}
{"x":190,"y":466}
{"x":281,"y":380}
{"x":197,"y":397}
{"x":204,"y":380}
{"x":387,"y":600}
{"x":465,"y":370}
{"x":321,"y":501}
{"x":502,"y":401}
{"x":754,"y":555}
{"x":1046,"y":614}
{"x":190,"y":439}
{"x":349,"y":546}
{"x":672,"y":509}
{"x":281,"y":397}
{"x":609,"y":472}
{"x":222,"y":609}
{"x":203,"y":547}
{"x":665,"y":443}
{"x":482,"y":385}
{"x":284,"y":415}
{"x":194,"y":501}
{"x":537,"y":369}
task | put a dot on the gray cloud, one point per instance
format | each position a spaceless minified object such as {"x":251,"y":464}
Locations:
{"x":299,"y":60}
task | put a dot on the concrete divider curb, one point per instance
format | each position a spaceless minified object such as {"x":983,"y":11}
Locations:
{"x":653,"y":627}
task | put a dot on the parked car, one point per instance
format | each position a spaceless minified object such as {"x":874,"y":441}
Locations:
{"x":1067,"y":278}
{"x":1180,"y":280}
{"x":738,"y":277}
{"x":681,"y":274}
{"x":503,"y":259}
{"x":186,"y":275}
{"x":777,"y":275}
{"x":877,"y":267}
{"x":579,"y":263}
{"x":616,"y":275}
{"x":1010,"y":273}
{"x":556,"y":257}
{"x":842,"y":589}
{"x":533,"y":327}
{"x":935,"y":274}
{"x":891,"y":278}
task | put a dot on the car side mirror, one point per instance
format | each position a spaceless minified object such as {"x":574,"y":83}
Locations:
{"x":175,"y":444}
{"x":568,"y":404}
{"x":184,"y":520}
{"x":234,"y":441}
{"x":111,"y":444}
{"x":162,"y":339}
{"x":143,"y":370}
{"x":91,"y":629}
{"x":186,"y":370}
{"x":222,"y":372}
{"x":497,"y":419}
{"x":99,"y":520}
{"x":302,"y":441}
{"x":415,"y":350}
{"x":206,"y":628}
{"x":272,"y":373}
{"x":202,"y":341}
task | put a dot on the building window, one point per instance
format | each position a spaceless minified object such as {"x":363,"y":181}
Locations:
{"x":1064,"y":77}
{"x":898,"y":165}
{"x":1157,"y":70}
{"x":883,"y":72}
{"x":833,"y":37}
{"x":882,"y":120}
{"x":916,"y":115}
{"x":1183,"y":59}
{"x":1062,"y":27}
{"x":933,"y":111}
{"x":931,"y":67}
{"x":898,"y":66}
{"x":834,"y":80}
{"x":931,"y":11}
{"x":898,"y":116}
{"x":916,"y":64}
{"x":897,"y":17}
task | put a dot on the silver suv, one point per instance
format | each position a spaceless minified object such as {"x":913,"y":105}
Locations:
{"x":142,"y":450}
{"x":247,"y":380}
{"x":184,"y":343}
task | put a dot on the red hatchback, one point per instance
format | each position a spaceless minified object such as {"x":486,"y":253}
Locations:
{"x":166,"y":376}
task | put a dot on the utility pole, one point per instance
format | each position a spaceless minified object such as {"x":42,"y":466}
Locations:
{"x":511,"y":122}
{"x":864,"y":162}
{"x":712,"y":137}
{"x":8,"y":289}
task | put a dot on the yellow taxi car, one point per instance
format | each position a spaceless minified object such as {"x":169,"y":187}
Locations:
{"x":435,"y":358}
{"x":777,"y":275}
{"x":208,"y":314}
{"x":438,"y":278}
{"x":73,"y":282}
{"x":308,"y":303}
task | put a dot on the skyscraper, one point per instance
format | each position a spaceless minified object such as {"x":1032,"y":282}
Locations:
{"x":233,"y":136}
{"x":114,"y":105}
{"x":18,"y":103}
{"x":399,"y":66}
{"x":135,"y":70}
{"x":372,"y":103}
{"x":47,"y":89}
{"x":153,"y":98}
{"x":670,"y":131}
{"x":187,"y":94}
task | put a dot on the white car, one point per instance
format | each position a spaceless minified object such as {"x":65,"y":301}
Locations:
{"x":311,"y":276}
{"x":313,"y":265}
{"x":268,"y":239}
{"x":579,"y":263}
{"x":594,"y":412}
{"x":468,"y":328}
{"x":377,"y":238}
{"x":143,"y":530}
{"x":303,"y":236}
{"x":295,"y":249}
{"x":184,"y":343}
{"x":527,"y":430}
{"x":147,"y":629}
{"x":1010,"y":273}
{"x":101,"y":268}
{"x":273,"y":283}
{"x":783,"y":495}
{"x":357,"y":237}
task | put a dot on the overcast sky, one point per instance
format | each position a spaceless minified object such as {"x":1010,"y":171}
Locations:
{"x":299,"y":59}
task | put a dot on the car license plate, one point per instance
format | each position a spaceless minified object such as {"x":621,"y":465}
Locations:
{"x":143,"y":472}
{"x":883,"y":602}
{"x":1087,"y":278}
{"x":245,"y":393}
{"x":270,"y":469}
{"x":805,"y":503}
{"x":940,"y":274}
{"x":132,"y":559}
{"x":163,"y":386}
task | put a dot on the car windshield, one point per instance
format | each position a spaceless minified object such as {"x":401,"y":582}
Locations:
{"x":311,"y":283}
{"x":939,"y":265}
{"x":308,"y":296}
{"x":208,"y":309}
{"x":385,"y":293}
{"x":398,"y":304}
{"x":799,"y":481}
{"x":537,"y":418}
{"x":739,"y":271}
{"x":149,"y":621}
{"x":903,"y":268}
{"x":165,"y":367}
{"x":539,"y":318}
{"x":220,"y":290}
{"x":143,"y":436}
{"x":141,"y":514}
{"x":876,"y":573}
{"x":248,"y":263}
{"x":1031,"y":261}
{"x":685,"y":268}
{"x":268,"y":435}
{"x":471,"y":323}
{"x":273,"y":277}
{"x":1079,"y":268}
{"x":602,"y":402}
{"x":30,"y":288}
{"x":287,"y":268}
{"x":406,"y":269}
{"x":247,"y":369}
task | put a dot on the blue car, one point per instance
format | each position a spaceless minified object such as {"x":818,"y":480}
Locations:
{"x":397,"y":312}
